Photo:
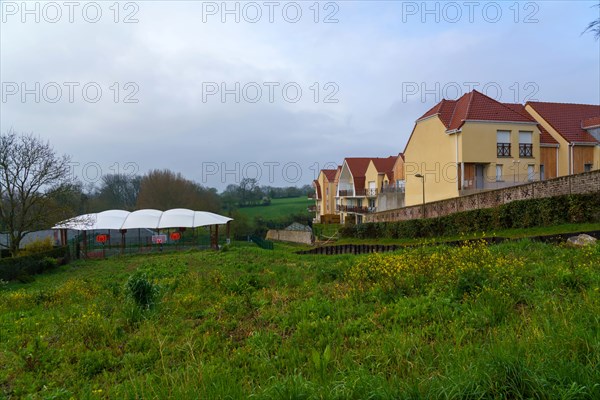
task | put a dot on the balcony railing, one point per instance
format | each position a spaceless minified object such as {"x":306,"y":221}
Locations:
{"x":392,"y":189}
{"x":359,"y":193}
{"x":312,"y":196}
{"x":366,"y":192}
{"x":525,"y":150}
{"x":355,"y":209}
{"x":503,"y":149}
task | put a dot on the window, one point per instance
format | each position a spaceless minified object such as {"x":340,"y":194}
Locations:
{"x":587,"y":167}
{"x":499,"y":173}
{"x":542,"y":172}
{"x":525,"y":144}
{"x":503,"y":143}
{"x":327,"y":190}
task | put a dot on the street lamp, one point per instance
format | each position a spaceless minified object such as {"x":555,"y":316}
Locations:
{"x":423,"y":181}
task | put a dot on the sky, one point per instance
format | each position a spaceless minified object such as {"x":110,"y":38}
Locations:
{"x":272,"y":90}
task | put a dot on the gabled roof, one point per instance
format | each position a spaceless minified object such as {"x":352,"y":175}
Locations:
{"x":318,"y":188}
{"x":474,"y":106}
{"x":545,"y":136}
{"x":569,"y":119}
{"x":386,"y":166}
{"x":329,"y":174}
{"x":358,"y":168}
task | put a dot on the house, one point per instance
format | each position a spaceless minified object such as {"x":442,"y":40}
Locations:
{"x":391,"y":193}
{"x":470,"y":144}
{"x":575,"y":131}
{"x":360,"y":181}
{"x":325,"y":193}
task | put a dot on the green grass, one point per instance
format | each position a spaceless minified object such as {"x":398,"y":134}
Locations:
{"x":512,"y":321}
{"x":279,"y":208}
{"x":504,"y":233}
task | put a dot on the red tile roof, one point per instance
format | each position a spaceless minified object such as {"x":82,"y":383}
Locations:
{"x":545,"y":136}
{"x":568,"y":119}
{"x":474,"y":106}
{"x":588,"y":123}
{"x":386,"y":166}
{"x":329,"y":174}
{"x":358,"y":168}
{"x":318,"y":187}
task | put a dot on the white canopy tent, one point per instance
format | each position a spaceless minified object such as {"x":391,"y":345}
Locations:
{"x":149,"y":219}
{"x":144,"y":219}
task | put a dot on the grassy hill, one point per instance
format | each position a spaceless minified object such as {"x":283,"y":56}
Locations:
{"x":279,"y":208}
{"x":517,"y":320}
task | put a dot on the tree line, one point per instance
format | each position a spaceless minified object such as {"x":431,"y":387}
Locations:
{"x":38,"y":190}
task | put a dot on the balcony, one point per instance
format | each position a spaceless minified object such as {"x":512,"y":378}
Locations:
{"x":525,"y":150}
{"x":503,"y":150}
{"x":366,"y":192}
{"x":392,"y":189}
{"x":355,"y":209}
{"x":358,"y":193}
{"x":312,"y":196}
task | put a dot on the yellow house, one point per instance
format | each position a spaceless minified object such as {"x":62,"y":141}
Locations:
{"x":361,"y":179}
{"x":325,"y":192}
{"x":471,"y":144}
{"x":575,"y":129}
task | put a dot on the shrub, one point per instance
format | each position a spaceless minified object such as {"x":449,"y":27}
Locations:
{"x":19,"y":267}
{"x":37,"y":246}
{"x":517,"y":214}
{"x":142,"y":291}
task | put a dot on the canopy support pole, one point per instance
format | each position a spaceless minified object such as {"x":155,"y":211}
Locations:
{"x":85,"y":255}
{"x":228,"y":231}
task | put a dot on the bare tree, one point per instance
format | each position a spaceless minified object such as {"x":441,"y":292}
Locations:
{"x":594,"y":26}
{"x":165,"y":189}
{"x":119,"y":191}
{"x":33,"y":179}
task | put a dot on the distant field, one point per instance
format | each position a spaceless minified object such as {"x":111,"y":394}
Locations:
{"x":279,"y":208}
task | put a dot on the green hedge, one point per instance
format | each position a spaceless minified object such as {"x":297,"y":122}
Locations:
{"x":19,"y":268}
{"x":517,"y":214}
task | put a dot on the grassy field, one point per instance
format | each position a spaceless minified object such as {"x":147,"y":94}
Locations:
{"x":512,"y":321}
{"x":279,"y":208}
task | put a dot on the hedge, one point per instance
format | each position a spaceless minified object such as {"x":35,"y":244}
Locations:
{"x":17,"y":268}
{"x":517,"y":214}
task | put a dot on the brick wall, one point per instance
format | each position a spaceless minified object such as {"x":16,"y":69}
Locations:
{"x":585,"y":183}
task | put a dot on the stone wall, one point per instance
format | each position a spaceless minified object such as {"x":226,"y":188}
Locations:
{"x":302,"y":237}
{"x":585,"y":183}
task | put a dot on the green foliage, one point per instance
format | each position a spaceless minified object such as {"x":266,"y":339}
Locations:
{"x":510,"y":321}
{"x":142,"y":291}
{"x":38,"y":246}
{"x":517,"y":214}
{"x":23,"y":267}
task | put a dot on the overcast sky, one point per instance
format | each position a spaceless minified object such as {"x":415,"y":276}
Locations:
{"x":285,"y":90}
